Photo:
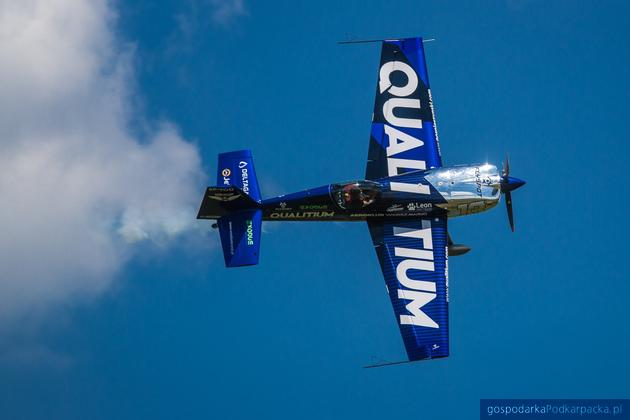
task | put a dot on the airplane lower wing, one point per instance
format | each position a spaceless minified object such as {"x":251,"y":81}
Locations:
{"x":413,"y":256}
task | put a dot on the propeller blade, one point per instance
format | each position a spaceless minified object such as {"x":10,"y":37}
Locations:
{"x":508,"y":205}
{"x":506,"y":167}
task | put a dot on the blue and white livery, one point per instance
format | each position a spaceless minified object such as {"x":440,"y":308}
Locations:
{"x":406,"y":199}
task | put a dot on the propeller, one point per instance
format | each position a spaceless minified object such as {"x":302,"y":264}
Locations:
{"x":509,"y":184}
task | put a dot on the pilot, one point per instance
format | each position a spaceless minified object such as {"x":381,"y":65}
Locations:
{"x":368,"y":197}
{"x":352,"y":195}
{"x":356,"y":197}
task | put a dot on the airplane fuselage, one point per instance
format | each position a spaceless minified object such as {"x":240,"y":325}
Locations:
{"x":458,"y":190}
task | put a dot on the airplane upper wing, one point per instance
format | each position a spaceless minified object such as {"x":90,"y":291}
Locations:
{"x":413,"y":256}
{"x":404,"y":135}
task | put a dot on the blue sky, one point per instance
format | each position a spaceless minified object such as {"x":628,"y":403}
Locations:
{"x":541,"y":313}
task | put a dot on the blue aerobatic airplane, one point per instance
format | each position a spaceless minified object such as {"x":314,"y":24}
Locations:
{"x":406,"y":199}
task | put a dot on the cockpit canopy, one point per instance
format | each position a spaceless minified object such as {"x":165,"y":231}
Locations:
{"x":355,"y":195}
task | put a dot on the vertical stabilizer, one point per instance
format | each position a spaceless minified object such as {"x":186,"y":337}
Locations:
{"x":237,"y":169}
{"x":237,"y":201}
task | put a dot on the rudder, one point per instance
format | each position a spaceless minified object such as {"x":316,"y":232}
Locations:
{"x":237,"y":169}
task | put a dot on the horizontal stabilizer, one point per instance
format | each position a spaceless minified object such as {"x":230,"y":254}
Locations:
{"x":219,"y":201}
{"x":240,"y":237}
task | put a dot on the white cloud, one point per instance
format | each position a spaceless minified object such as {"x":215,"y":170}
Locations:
{"x":224,"y":11}
{"x":77,"y":189}
{"x":195,"y":17}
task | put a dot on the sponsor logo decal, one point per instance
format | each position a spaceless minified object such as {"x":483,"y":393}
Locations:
{"x":283,"y":207}
{"x":372,"y":215}
{"x":244,"y":176}
{"x":231,"y":238}
{"x":314,"y":207}
{"x":302,"y":215}
{"x":226,"y":176}
{"x":397,"y":140}
{"x":250,"y":232}
{"x":395,"y":207}
{"x":418,"y":292}
{"x":419,"y":206}
{"x":230,"y":196}
{"x":478,"y":180}
{"x":435,"y":133}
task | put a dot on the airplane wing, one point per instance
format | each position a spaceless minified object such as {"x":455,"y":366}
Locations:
{"x":413,"y":256}
{"x":404,"y":135}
